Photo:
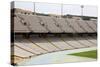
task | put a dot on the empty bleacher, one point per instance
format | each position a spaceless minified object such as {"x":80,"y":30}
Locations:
{"x":34,"y":46}
{"x":84,"y":41}
{"x":44,"y":44}
{"x":45,"y":24}
{"x":37,"y":46}
{"x":92,"y":25}
{"x":50,"y":24}
{"x":95,"y":22}
{"x":64,"y":25}
{"x":85,"y":26}
{"x":21,"y":52}
{"x":18,"y":26}
{"x":59,"y":43}
{"x":92,"y":40}
{"x":72,"y":42}
{"x":27,"y":44}
{"x":75,"y":25}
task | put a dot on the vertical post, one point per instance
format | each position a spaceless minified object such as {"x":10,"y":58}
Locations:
{"x":61,"y":10}
{"x":34,"y":9}
{"x":82,"y":10}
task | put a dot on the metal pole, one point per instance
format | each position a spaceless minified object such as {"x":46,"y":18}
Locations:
{"x":61,"y":10}
{"x":82,"y":10}
{"x":34,"y":9}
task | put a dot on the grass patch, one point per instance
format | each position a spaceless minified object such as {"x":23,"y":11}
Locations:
{"x":89,"y":54}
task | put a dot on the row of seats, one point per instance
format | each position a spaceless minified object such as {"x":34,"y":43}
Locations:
{"x":45,"y":24}
{"x":59,"y":43}
{"x":36,"y":45}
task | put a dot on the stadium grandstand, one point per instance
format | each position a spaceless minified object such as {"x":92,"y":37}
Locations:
{"x":34,"y":34}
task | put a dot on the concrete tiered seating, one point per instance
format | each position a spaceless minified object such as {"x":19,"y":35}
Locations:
{"x":92,"y":39}
{"x":34,"y":46}
{"x":33,"y":22}
{"x":84,"y":41}
{"x":85,"y":26}
{"x":49,"y":44}
{"x":64,"y":25}
{"x":59,"y":43}
{"x":50,"y":24}
{"x":75,"y":25}
{"x":23,"y":44}
{"x":22,"y":53}
{"x":18,"y":26}
{"x":44,"y":44}
{"x":45,"y":24}
{"x":92,"y":25}
{"x":72,"y":42}
{"x":95,"y":22}
{"x":19,"y":40}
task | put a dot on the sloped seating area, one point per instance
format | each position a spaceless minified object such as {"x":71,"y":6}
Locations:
{"x":33,"y":23}
{"x":85,"y":26}
{"x":73,"y":23}
{"x":18,"y":26}
{"x":34,"y":46}
{"x":92,"y":25}
{"x":50,"y":24}
{"x":64,"y":25}
{"x":47,"y":24}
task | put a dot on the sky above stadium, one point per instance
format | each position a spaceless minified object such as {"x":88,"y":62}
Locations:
{"x":50,"y":8}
